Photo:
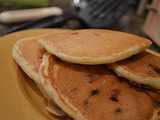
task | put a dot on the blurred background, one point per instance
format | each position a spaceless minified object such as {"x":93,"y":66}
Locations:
{"x":140,"y":17}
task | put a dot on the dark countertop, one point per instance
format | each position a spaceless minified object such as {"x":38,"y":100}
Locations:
{"x":130,"y":22}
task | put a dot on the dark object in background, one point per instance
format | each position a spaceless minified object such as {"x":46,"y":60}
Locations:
{"x":103,"y":14}
{"x":90,"y":14}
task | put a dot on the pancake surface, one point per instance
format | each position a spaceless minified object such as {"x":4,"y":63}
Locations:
{"x":143,"y":68}
{"x":94,"y":92}
{"x":94,"y":46}
{"x":28,"y":54}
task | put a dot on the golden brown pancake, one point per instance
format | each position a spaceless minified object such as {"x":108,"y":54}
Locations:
{"x":94,"y":46}
{"x":95,"y":92}
{"x":143,"y":68}
{"x":28,"y":54}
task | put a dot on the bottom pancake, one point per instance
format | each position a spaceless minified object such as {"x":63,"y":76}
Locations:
{"x":95,"y":92}
{"x":143,"y":68}
{"x":28,"y":53}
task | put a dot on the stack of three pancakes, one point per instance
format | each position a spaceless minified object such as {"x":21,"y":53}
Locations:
{"x":83,"y":87}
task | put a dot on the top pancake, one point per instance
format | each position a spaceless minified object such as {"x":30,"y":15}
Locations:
{"x":94,"y":46}
{"x":28,"y":54}
{"x":143,"y":68}
{"x":95,"y":92}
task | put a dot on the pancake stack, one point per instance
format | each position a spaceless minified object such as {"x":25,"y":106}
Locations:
{"x":94,"y":74}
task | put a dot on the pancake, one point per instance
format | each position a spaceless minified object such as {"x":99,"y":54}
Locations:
{"x":143,"y":68}
{"x":28,"y":54}
{"x":94,"y":46}
{"x":95,"y":92}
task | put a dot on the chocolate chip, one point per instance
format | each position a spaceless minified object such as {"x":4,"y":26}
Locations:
{"x":94,"y":92}
{"x":118,"y":110}
{"x":157,"y":70}
{"x":149,"y":65}
{"x":114,"y":95}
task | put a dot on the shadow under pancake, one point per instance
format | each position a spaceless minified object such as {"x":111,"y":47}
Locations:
{"x":31,"y":91}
